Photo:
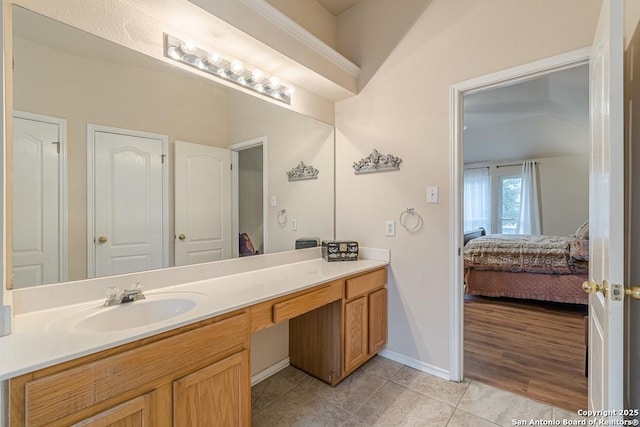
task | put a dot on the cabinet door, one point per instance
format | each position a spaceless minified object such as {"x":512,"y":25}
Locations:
{"x":355,"y":333}
{"x":377,"y":320}
{"x":132,"y":413}
{"x":218,"y":395}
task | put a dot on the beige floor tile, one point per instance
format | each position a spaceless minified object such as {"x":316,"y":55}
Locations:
{"x":269,"y":390}
{"x":445,"y":391}
{"x":300,"y":408}
{"x":463,"y":419}
{"x":562,"y":414}
{"x":293,"y":374}
{"x":382,"y":367}
{"x":350,"y":394}
{"x":394,"y":405}
{"x":355,"y":422}
{"x":501,"y":407}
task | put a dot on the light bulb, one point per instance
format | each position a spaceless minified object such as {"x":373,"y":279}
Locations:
{"x":214,"y":59}
{"x":236,"y":67}
{"x":188,"y":47}
{"x":173,"y":52}
{"x":242,"y":81}
{"x":274,"y":83}
{"x":259,"y":87}
{"x":257,"y":75}
{"x":200,"y":64}
{"x":289,"y":91}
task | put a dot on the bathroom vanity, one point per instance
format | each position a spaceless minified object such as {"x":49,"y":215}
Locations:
{"x":198,"y":373}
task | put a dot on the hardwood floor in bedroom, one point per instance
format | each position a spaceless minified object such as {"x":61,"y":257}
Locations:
{"x":532,"y":348}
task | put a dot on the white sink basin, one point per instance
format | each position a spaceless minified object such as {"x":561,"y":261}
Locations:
{"x":154,"y":309}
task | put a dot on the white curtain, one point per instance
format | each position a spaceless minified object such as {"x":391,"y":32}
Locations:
{"x":529,"y":222}
{"x":477,"y":199}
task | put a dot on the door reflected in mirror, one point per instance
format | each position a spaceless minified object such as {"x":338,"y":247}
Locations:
{"x":81,"y":204}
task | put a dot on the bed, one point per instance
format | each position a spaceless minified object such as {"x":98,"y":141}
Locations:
{"x":547,"y":268}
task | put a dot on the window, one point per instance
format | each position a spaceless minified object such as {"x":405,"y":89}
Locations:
{"x":509,"y":211}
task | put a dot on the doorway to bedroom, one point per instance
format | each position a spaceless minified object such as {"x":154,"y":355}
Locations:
{"x":525,"y":199}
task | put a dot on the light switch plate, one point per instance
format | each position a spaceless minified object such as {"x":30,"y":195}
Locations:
{"x":294,"y":224}
{"x":274,"y":201}
{"x":433,"y":194}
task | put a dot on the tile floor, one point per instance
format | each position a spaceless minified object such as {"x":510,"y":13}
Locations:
{"x":387,"y":393}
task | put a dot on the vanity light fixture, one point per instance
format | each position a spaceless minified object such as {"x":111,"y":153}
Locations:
{"x":234,"y":71}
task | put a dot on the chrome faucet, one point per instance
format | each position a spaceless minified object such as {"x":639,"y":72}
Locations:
{"x":114,"y":297}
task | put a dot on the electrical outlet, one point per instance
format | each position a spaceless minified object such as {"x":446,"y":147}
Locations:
{"x":390,"y":228}
{"x":294,"y":224}
{"x":432,"y":194}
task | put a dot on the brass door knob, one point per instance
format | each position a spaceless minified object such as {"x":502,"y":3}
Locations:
{"x":102,"y":239}
{"x":593,"y":287}
{"x":182,"y":236}
{"x":633,"y":292}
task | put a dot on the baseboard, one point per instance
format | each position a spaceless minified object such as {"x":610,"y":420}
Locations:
{"x":416,"y":364}
{"x":271,"y":370}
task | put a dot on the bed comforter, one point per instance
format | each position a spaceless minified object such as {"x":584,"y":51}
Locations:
{"x":529,"y":254}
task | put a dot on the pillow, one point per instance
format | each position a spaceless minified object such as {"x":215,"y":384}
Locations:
{"x":583,"y":231}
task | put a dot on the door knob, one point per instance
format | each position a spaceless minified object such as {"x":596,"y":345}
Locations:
{"x":633,"y":292}
{"x":182,"y":236}
{"x":593,"y":287}
{"x":102,"y":239}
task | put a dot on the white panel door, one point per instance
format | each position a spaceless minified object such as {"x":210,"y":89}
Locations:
{"x":202,"y":203}
{"x":128,"y":201}
{"x":37,"y":228}
{"x":606,"y":210}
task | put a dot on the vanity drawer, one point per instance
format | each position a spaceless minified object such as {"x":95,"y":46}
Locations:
{"x":304,"y":303}
{"x":135,"y":371}
{"x":270,"y":312}
{"x":366,"y":283}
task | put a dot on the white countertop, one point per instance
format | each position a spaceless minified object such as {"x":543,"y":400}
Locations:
{"x":38,"y":341}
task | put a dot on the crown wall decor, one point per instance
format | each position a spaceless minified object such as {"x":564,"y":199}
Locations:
{"x":302,"y":172}
{"x":377,"y":162}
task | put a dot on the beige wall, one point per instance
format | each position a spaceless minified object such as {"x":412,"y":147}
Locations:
{"x":404,"y":110}
{"x":84,"y":91}
{"x":312,"y":16}
{"x":290,"y":139}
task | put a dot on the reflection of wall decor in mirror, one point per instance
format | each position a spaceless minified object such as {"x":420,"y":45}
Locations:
{"x":377,"y":162}
{"x":302,"y":172}
{"x":281,"y":217}
{"x":78,"y":78}
{"x":233,"y":71}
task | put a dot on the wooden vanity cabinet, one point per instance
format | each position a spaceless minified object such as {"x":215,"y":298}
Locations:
{"x":332,"y":341}
{"x":365,"y":318}
{"x":195,"y":375}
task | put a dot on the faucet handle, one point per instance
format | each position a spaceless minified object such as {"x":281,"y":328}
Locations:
{"x":113,"y":296}
{"x":112,"y":292}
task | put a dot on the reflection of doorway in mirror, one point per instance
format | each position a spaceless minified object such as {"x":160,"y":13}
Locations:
{"x":127,"y":206}
{"x":249,"y":195}
{"x":39,"y":208}
{"x":202,"y":186}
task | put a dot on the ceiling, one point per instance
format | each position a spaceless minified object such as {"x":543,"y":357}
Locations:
{"x":336,"y":7}
{"x":542,"y":117}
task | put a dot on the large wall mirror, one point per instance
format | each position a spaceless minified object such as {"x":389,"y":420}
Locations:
{"x":122,"y":162}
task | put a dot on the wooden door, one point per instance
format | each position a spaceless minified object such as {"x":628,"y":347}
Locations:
{"x":377,"y":320}
{"x":218,"y":395}
{"x":136,"y":412}
{"x":202,"y":185}
{"x":355,"y":333}
{"x":38,"y":192}
{"x":128,"y":203}
{"x":606,"y":211}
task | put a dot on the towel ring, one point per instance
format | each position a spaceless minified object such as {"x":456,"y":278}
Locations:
{"x":410,"y":213}
{"x":281,"y":217}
